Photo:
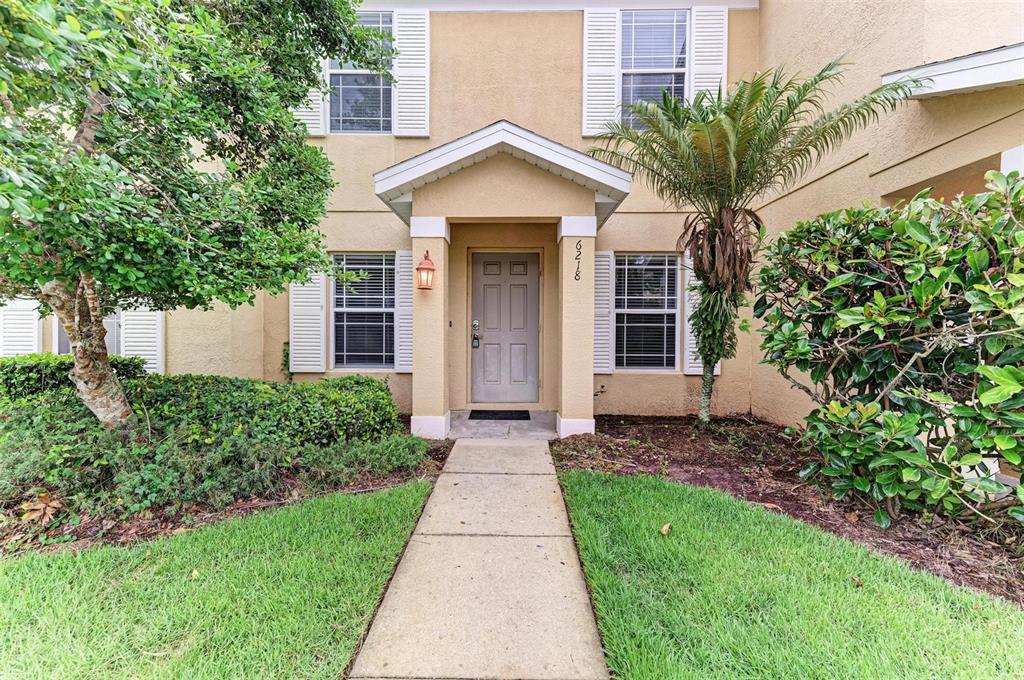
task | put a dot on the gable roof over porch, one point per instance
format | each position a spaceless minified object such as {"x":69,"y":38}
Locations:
{"x":395,"y":185}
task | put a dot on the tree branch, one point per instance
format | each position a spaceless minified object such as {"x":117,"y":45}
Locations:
{"x":85,"y":136}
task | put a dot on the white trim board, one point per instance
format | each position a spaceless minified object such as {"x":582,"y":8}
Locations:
{"x":999,"y":67}
{"x":566,"y":427}
{"x":394,"y":185}
{"x":431,"y":427}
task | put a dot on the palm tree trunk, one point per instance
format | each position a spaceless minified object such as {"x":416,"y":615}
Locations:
{"x":706,"y":387}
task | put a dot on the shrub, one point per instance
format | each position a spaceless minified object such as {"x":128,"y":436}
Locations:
{"x":909,"y":322}
{"x":200,"y":439}
{"x":33,"y":373}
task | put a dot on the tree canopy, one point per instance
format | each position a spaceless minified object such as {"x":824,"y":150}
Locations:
{"x":149,"y":156}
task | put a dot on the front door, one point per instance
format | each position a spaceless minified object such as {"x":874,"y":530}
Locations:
{"x":504,"y":329}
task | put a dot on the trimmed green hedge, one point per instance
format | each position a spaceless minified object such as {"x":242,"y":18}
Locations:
{"x":34,"y":373}
{"x":200,"y":439}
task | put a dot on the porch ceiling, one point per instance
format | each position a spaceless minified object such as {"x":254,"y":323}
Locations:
{"x":394,"y":185}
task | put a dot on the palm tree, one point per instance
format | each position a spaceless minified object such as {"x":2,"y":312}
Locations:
{"x":718,"y":154}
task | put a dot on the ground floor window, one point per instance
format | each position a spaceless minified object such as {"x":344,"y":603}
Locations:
{"x":112,"y":322}
{"x":646,"y":311}
{"x":364,"y":311}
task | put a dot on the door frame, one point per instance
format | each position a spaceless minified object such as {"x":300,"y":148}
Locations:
{"x":539,"y":250}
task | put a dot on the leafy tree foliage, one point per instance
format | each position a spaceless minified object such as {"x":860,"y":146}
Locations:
{"x":148,"y":157}
{"x":909,"y":322}
{"x":718,"y":153}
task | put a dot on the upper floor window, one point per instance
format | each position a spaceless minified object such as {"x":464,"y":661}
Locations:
{"x":364,"y":311}
{"x":360,"y":100}
{"x":646,"y":311}
{"x":654,"y":44}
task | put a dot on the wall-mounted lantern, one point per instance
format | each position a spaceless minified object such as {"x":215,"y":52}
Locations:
{"x":425,"y":272}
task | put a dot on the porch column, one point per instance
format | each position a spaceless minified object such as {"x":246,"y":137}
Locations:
{"x":430,"y":414}
{"x":576,"y":236}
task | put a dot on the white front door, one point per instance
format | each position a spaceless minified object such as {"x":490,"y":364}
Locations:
{"x":504,"y":330}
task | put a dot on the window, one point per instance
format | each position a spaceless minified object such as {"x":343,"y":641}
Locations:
{"x":360,"y":100}
{"x":364,"y":312}
{"x":653,"y":55}
{"x":646,"y":311}
{"x":112,"y":322}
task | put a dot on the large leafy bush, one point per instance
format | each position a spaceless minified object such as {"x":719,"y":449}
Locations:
{"x":32,"y":373}
{"x":202,"y":439}
{"x":909,"y":322}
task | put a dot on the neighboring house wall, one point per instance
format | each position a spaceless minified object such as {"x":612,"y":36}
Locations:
{"x":928,"y":141}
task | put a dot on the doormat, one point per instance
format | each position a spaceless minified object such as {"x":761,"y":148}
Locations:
{"x":499,"y":415}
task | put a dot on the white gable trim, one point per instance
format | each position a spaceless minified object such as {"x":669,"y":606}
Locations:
{"x":395,"y":185}
{"x":1000,"y":67}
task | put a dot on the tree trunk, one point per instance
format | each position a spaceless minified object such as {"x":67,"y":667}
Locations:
{"x":82,"y":318}
{"x":706,"y":387}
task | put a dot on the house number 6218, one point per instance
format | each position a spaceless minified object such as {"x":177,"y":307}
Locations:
{"x":578,"y":258}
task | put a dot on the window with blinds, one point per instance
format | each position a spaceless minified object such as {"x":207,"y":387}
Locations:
{"x":654,"y":44}
{"x":364,"y":311}
{"x":360,"y":100}
{"x":646,"y":311}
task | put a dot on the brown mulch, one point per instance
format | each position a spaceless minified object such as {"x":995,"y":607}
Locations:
{"x":16,"y":537}
{"x":760,"y":462}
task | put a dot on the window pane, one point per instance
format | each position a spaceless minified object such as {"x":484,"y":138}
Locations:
{"x":360,"y":101}
{"x":645,"y":340}
{"x":648,"y":87}
{"x":364,"y":339}
{"x":646,"y":282}
{"x":654,"y":39}
{"x":364,"y":320}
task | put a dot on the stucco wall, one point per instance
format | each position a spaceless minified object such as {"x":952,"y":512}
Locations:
{"x":526,"y":67}
{"x":921,"y":142}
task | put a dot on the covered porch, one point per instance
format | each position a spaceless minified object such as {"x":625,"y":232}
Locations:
{"x":509,"y":220}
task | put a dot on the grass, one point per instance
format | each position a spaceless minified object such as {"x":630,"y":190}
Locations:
{"x":283,"y":593}
{"x":734,"y":591}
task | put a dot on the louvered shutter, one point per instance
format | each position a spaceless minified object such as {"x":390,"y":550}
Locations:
{"x":307,"y":324}
{"x":312,"y":113}
{"x":142,"y":335}
{"x":692,"y":364}
{"x":600,"y":70}
{"x":604,"y":317}
{"x":20,"y":328}
{"x":412,"y":74}
{"x":403,"y":311}
{"x":710,"y":48}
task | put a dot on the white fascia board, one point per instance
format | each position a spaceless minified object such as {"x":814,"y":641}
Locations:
{"x":1000,"y":67}
{"x":548,"y":5}
{"x":394,"y":185}
{"x":491,"y":138}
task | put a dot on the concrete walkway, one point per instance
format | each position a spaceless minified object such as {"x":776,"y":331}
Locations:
{"x":490,"y":585}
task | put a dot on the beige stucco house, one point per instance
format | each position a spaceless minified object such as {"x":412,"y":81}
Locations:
{"x":556,"y":286}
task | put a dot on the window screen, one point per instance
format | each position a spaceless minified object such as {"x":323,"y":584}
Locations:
{"x":654,"y":45}
{"x":646,"y":311}
{"x":360,"y":101}
{"x":364,"y":311}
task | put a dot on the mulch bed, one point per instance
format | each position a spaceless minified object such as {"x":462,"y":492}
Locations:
{"x":16,"y":537}
{"x":760,"y":462}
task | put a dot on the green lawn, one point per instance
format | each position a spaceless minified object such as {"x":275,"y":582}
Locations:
{"x":284,"y":593}
{"x":734,"y":591}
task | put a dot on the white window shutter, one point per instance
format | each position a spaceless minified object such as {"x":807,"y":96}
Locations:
{"x":142,"y":335}
{"x":692,"y":365}
{"x":604,"y":316}
{"x":21,"y":329}
{"x":403,"y":311}
{"x":600,"y":70}
{"x":709,"y":48}
{"x":313,"y":113}
{"x":412,"y":73}
{"x":307,"y":325}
